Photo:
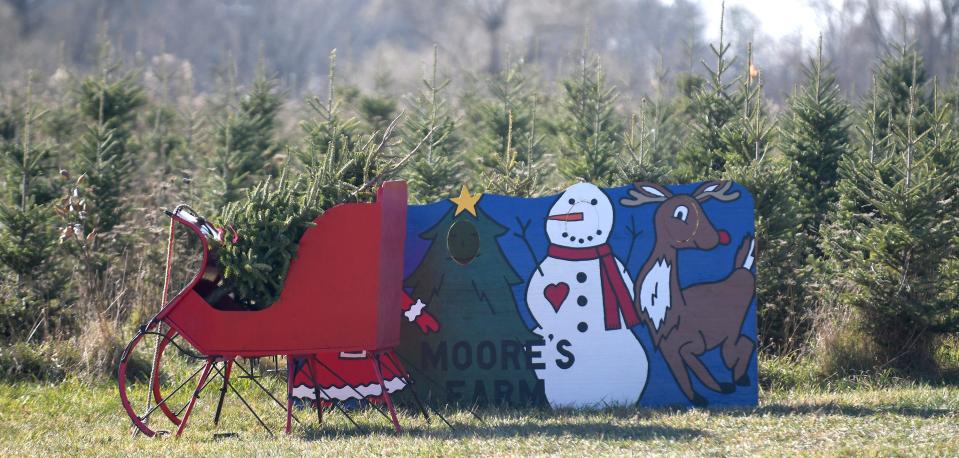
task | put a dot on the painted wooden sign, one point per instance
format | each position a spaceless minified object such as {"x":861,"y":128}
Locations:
{"x":593,"y":297}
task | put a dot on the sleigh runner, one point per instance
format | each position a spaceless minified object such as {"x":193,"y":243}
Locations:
{"x":336,"y":323}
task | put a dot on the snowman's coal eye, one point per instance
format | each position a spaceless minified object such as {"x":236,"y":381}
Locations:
{"x":572,"y":201}
{"x":680,"y":213}
{"x":593,"y":202}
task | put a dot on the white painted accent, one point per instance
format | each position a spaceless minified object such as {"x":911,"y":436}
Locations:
{"x":748,"y":263}
{"x":710,"y":188}
{"x":654,"y":293}
{"x":415,"y":311}
{"x":353,"y":354}
{"x":373,"y":389}
{"x":681,"y":210}
{"x":653,"y":191}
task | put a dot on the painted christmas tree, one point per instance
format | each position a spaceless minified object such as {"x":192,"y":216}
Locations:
{"x":478,"y":351}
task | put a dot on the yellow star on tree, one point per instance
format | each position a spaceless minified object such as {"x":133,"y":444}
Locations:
{"x":466,"y":201}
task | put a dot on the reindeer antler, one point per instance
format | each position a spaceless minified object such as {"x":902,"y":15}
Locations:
{"x":718,"y":190}
{"x":645,"y":193}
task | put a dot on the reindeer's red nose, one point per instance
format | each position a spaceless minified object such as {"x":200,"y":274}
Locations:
{"x":724,"y":238}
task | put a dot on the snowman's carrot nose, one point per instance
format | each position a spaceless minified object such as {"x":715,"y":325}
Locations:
{"x":566,"y":217}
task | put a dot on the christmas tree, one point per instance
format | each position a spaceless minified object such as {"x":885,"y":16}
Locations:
{"x":330,"y":134}
{"x":479,"y":355}
{"x":437,"y":169}
{"x":815,"y":136}
{"x":657,"y":131}
{"x":105,"y":151}
{"x":746,"y":140}
{"x":589,"y":127}
{"x":891,"y":242}
{"x":508,"y":116}
{"x":272,"y":215}
{"x":642,"y":145}
{"x":508,"y":173}
{"x":243,"y":140}
{"x":378,"y":109}
{"x":28,"y":285}
{"x":106,"y":154}
{"x":712,"y":107}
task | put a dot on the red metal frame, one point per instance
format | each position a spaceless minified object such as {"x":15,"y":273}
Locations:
{"x":342,"y":293}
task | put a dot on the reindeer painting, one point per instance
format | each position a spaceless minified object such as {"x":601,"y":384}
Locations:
{"x":685,"y":323}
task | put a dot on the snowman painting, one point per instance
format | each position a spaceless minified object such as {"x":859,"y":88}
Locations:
{"x":581,"y":298}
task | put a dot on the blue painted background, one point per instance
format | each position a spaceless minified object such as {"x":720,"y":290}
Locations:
{"x":695,"y":266}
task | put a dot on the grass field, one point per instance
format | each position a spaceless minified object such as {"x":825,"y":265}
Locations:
{"x":850,"y":417}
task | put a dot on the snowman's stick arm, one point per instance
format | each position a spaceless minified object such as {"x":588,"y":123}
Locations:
{"x":522,"y":236}
{"x":635,"y":235}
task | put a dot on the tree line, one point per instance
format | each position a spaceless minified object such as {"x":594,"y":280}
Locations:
{"x":856,"y":200}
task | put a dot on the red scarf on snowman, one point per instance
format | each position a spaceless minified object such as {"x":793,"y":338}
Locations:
{"x":615,"y":294}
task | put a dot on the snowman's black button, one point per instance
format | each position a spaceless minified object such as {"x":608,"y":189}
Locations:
{"x":581,"y":300}
{"x":582,"y":326}
{"x":572,"y":238}
{"x":565,"y":235}
{"x":581,"y":277}
{"x":590,"y":238}
{"x":572,"y":201}
{"x":581,"y":241}
{"x":599,"y":232}
{"x":594,"y":202}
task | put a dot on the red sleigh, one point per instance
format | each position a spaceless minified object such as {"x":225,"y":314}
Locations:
{"x":340,"y":297}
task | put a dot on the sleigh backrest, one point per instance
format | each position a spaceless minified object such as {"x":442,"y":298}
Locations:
{"x":348,"y":273}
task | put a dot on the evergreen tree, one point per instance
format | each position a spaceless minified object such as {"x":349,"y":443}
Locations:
{"x":105,"y":156}
{"x":662,"y":119}
{"x":164,"y":140}
{"x":378,"y":109}
{"x":589,"y":128}
{"x":260,"y":108}
{"x":688,"y":85}
{"x":815,"y":136}
{"x":335,"y":164}
{"x":244,"y":142}
{"x":746,"y":138}
{"x":27,"y":223}
{"x":711,"y":108}
{"x":272,"y":216}
{"x":330,"y":134}
{"x":782,"y":309}
{"x":508,"y":115}
{"x":897,"y":72}
{"x":437,"y":170}
{"x":890,"y":245}
{"x":642,"y":145}
{"x":105,"y":151}
{"x":509,"y":174}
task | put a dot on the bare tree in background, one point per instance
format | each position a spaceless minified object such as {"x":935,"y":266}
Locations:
{"x":492,"y":13}
{"x":935,"y":35}
{"x":637,"y":39}
{"x":21,"y":9}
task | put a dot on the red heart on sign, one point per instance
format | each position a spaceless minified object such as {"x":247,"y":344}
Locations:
{"x":556,"y":293}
